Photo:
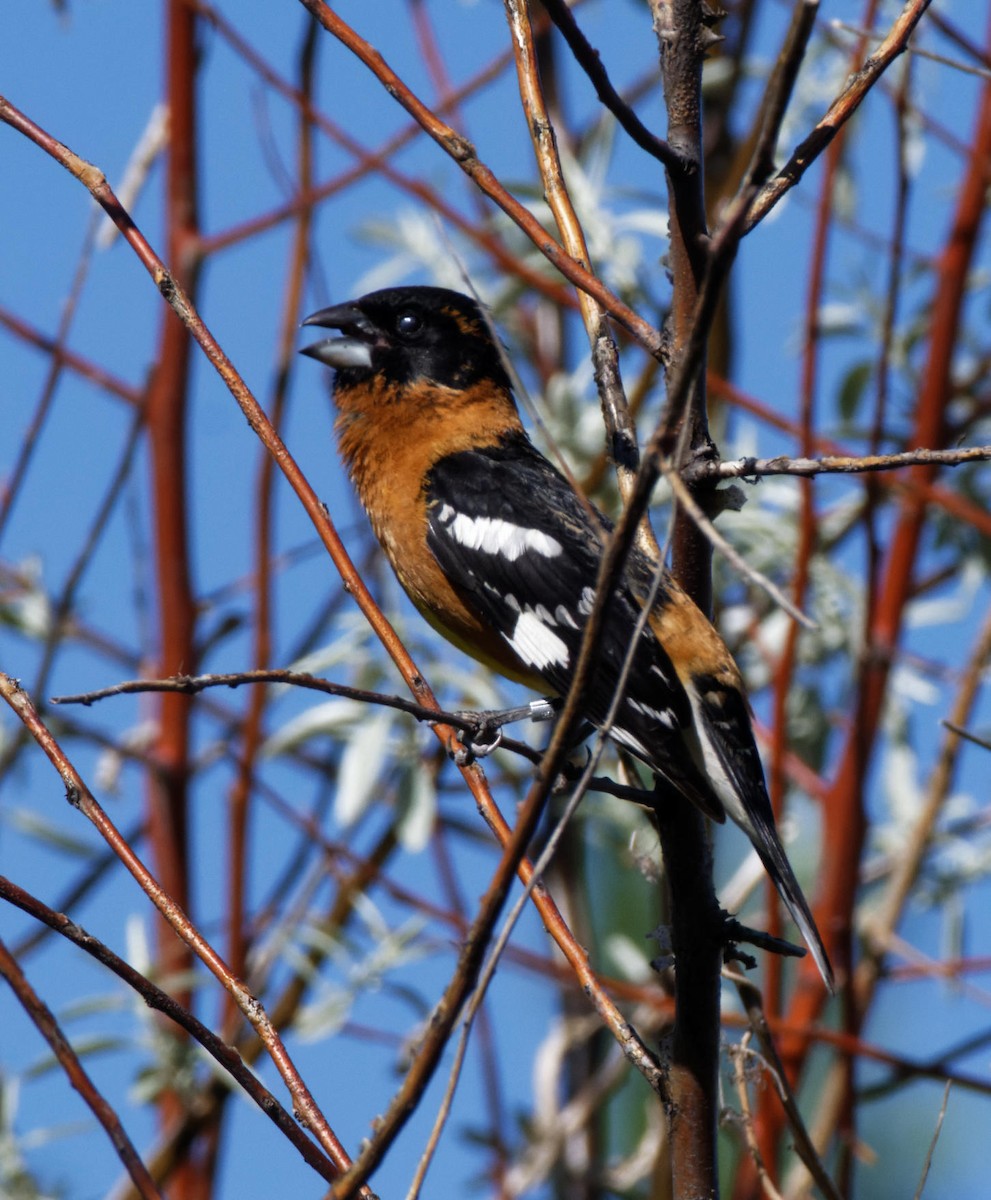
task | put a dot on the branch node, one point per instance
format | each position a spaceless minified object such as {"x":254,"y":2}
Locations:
{"x":735,"y":932}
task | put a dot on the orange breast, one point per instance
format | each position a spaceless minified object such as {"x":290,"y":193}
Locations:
{"x":389,"y":445}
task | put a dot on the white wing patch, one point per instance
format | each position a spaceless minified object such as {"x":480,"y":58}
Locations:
{"x":495,"y":536}
{"x":663,"y":715}
{"x":537,"y":645}
{"x":563,"y":617}
{"x":630,"y":742}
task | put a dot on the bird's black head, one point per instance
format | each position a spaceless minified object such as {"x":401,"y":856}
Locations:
{"x":409,"y":334}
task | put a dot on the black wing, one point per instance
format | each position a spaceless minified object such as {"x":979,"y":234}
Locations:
{"x":523,"y":551}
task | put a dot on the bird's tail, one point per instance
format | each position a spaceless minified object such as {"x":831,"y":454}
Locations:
{"x":765,"y":841}
{"x":722,"y":743}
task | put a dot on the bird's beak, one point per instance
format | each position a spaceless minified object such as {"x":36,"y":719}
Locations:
{"x":354,"y":348}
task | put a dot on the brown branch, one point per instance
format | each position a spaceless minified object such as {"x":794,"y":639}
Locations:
{"x":487,"y":1048}
{"x":929,"y":490}
{"x":49,"y":1029}
{"x":753,"y":1006}
{"x":839,"y":112}
{"x":11,"y":486}
{"x":229,"y":1059}
{"x":588,"y":59}
{"x":843,"y":826}
{"x":167,"y":789}
{"x":61,"y":605}
{"x":80,"y":365}
{"x":544,"y":139}
{"x":982,"y":72}
{"x":81,"y":798}
{"x":191,"y":685}
{"x":620,"y":430}
{"x":755,"y":468}
{"x":473,"y":724}
{"x":738,"y":1056}
{"x":252,"y":735}
{"x":174,"y":609}
{"x":691,"y":1094}
{"x":465,"y":155}
{"x":777,"y":94}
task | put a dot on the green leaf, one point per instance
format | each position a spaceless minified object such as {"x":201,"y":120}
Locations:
{"x":853,"y":388}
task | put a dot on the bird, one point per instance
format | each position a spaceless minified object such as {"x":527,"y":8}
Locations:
{"x":499,"y":553}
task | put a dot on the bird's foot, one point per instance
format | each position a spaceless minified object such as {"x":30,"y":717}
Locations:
{"x":484,"y":727}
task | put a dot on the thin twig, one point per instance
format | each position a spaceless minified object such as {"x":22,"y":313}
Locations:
{"x":465,"y":155}
{"x":80,"y":797}
{"x":467,"y":722}
{"x":915,"y":842}
{"x":777,"y":94}
{"x":960,"y":39}
{"x":750,"y":997}
{"x":104,"y":1112}
{"x":228,"y":1059}
{"x":839,"y":112}
{"x":620,"y":430}
{"x":738,"y":1057}
{"x":835,"y":464}
{"x":932,"y":1143}
{"x":732,"y":556}
{"x":953,"y":63}
{"x":958,"y":506}
{"x":28,"y":440}
{"x":588,"y":59}
{"x":99,"y":376}
{"x":984,"y":743}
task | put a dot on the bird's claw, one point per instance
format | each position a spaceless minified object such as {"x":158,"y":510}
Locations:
{"x":482,"y":749}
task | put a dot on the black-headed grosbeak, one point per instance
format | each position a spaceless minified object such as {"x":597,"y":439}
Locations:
{"x":500,"y":554}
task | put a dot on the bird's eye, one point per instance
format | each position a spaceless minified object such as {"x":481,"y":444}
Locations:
{"x":408,"y":324}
